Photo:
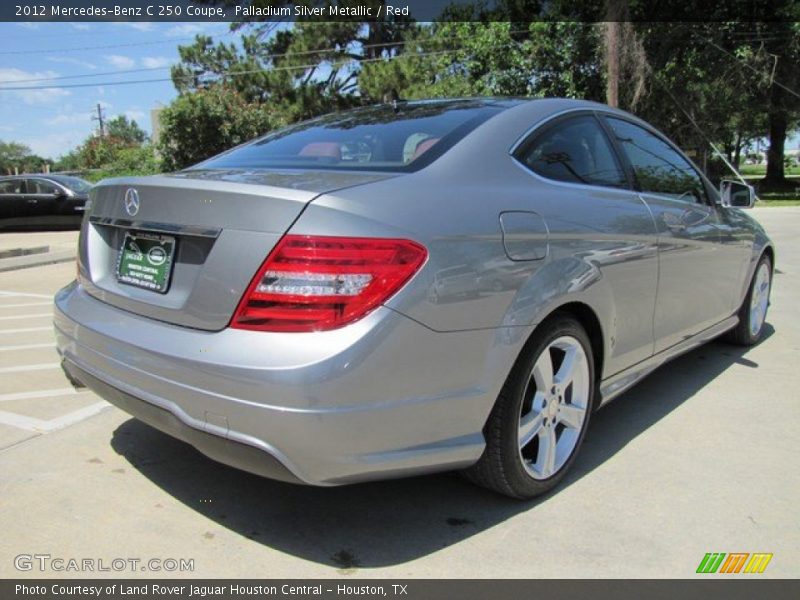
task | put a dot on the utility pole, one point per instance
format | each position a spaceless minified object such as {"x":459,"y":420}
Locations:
{"x":100,"y":119}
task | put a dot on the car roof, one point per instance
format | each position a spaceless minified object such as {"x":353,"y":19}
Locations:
{"x":26,"y":176}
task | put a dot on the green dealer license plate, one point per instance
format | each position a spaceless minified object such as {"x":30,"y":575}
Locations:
{"x":145,"y":260}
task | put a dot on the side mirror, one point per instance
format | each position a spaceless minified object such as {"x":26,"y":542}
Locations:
{"x":737,"y":194}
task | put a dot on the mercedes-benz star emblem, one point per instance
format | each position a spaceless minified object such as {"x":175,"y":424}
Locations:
{"x":131,"y":202}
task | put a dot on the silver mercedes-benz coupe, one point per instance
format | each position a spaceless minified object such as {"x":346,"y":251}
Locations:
{"x":408,"y":288}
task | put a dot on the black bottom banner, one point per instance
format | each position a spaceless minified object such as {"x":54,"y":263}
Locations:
{"x":409,"y":589}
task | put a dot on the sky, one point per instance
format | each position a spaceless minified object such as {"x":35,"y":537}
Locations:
{"x":53,"y":121}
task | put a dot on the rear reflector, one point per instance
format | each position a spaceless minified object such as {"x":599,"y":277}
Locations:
{"x":313,"y":283}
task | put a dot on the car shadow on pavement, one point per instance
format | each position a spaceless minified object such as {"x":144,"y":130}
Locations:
{"x":387,"y":523}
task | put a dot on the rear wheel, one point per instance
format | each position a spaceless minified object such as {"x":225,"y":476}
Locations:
{"x":541,"y":415}
{"x":753,"y":312}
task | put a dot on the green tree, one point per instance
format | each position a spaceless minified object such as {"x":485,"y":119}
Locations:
{"x":128,"y":131}
{"x":301,"y":72}
{"x":204,"y":123}
{"x":122,"y":151}
{"x":487,"y":59}
{"x":16,"y":155}
{"x":71,"y":161}
{"x":714,"y":82}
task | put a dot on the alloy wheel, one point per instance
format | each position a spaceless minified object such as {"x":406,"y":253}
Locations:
{"x":554,"y":407}
{"x":759,"y":299}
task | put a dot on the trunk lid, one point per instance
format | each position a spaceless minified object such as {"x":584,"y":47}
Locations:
{"x":222,"y":224}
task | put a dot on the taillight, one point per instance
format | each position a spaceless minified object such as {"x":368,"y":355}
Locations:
{"x":314,"y":283}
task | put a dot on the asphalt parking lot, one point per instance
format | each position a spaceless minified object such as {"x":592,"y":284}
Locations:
{"x":701,"y":457}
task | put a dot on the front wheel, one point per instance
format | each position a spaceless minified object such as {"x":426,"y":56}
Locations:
{"x":541,"y":415}
{"x":753,"y":312}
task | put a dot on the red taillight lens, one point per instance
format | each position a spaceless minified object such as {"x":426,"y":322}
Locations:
{"x":312,"y":283}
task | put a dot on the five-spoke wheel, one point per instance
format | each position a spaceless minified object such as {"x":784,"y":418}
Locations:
{"x":541,"y":415}
{"x":753,"y":312}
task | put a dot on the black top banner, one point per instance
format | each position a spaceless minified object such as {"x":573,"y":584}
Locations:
{"x":401,"y":10}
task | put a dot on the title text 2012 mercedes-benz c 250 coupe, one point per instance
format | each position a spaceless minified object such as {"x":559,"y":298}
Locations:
{"x":408,"y":288}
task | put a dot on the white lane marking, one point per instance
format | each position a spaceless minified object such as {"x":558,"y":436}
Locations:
{"x":35,"y":316}
{"x":77,"y":416}
{"x":53,"y":393}
{"x":25,"y":305}
{"x":42,"y":426}
{"x":25,"y":368}
{"x":23,"y":295}
{"x":27,"y":347}
{"x":26,"y":329}
{"x":20,"y":421}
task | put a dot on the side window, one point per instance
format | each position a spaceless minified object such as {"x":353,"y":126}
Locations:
{"x":40,"y":186}
{"x":575,"y":150}
{"x":13,"y":186}
{"x":658,"y":167}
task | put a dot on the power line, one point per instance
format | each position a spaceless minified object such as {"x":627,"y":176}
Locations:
{"x":84,"y":75}
{"x":105,"y":47}
{"x":716,"y":150}
{"x":222,"y":75}
{"x":749,"y":66}
{"x":264,"y":57}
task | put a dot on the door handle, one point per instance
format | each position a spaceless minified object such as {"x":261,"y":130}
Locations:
{"x":32,"y":201}
{"x":688,"y":218}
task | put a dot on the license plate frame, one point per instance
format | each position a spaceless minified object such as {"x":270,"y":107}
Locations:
{"x":145,"y":261}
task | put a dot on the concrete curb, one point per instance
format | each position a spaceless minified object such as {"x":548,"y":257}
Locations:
{"x":13,"y":252}
{"x":26,"y":261}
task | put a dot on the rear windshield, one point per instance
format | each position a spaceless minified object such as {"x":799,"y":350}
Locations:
{"x":370,"y":139}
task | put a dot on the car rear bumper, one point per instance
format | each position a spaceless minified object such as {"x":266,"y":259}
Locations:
{"x":364,"y":402}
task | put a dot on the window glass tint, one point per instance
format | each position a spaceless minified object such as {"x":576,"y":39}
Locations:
{"x":40,"y":186}
{"x":576,"y":151}
{"x":658,"y":167}
{"x":375,"y":138}
{"x":74,"y":183}
{"x":13,"y":186}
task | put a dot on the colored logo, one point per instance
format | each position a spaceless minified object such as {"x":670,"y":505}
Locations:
{"x":157,"y":256}
{"x":131,"y":202}
{"x":734,"y":562}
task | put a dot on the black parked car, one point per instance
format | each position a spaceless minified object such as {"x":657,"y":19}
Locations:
{"x":42,"y":200}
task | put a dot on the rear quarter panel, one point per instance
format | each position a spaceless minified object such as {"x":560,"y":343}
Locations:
{"x":601,"y":246}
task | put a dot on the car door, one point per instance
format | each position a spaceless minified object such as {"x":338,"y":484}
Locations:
{"x":696,"y":272}
{"x":599,"y":225}
{"x":42,"y":198}
{"x":12,"y":201}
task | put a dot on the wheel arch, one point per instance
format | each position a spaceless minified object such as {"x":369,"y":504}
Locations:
{"x":587,"y":317}
{"x":589,"y":320}
{"x":770,"y":252}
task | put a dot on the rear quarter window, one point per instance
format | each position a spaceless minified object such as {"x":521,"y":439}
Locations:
{"x":574,"y":150}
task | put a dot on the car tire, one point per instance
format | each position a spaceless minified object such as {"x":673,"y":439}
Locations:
{"x":536,"y":408}
{"x":753,"y":312}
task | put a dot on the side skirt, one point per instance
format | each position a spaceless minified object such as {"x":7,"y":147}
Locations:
{"x":616,"y":384}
